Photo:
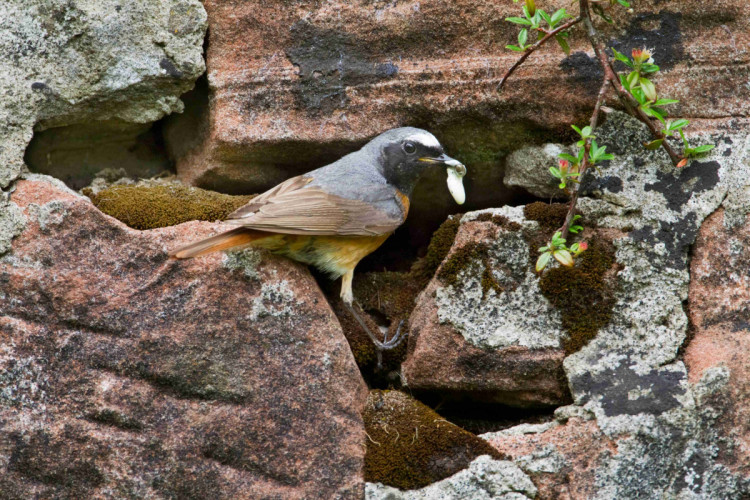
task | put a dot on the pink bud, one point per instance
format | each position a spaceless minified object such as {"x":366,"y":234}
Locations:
{"x":582,"y":246}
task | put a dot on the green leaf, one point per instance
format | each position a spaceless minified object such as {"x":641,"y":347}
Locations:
{"x":649,"y":90}
{"x":563,"y":43}
{"x":633,"y":79}
{"x":558,"y":16}
{"x":546,"y":18}
{"x":586,"y":132}
{"x":624,"y":3}
{"x":624,"y":82}
{"x":656,"y":144}
{"x":704,"y":149}
{"x":678,"y":124}
{"x":555,"y":172}
{"x":572,"y":159}
{"x":522,"y":37}
{"x":576,"y":217}
{"x":664,"y":102}
{"x":513,"y":47}
{"x":620,"y":57}
{"x":518,"y":20}
{"x":563,"y":257}
{"x":542,"y":261}
{"x":577,"y":130}
{"x":562,"y":185}
{"x":575,"y":230}
{"x":531,"y":6}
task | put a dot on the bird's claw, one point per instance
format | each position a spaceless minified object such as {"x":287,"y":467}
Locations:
{"x":386,"y":344}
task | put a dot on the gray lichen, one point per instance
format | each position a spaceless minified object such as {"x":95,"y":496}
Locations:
{"x":485,"y":479}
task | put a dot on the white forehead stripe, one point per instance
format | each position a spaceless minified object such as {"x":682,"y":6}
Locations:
{"x":425,"y":138}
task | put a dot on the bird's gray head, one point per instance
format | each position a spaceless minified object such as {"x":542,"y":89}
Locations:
{"x":405,"y":153}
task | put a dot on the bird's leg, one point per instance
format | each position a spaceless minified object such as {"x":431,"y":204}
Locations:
{"x":385,"y":345}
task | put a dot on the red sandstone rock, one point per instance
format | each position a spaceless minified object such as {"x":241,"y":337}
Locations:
{"x":442,"y":358}
{"x":296,"y":84}
{"x":126,"y":374}
{"x":573,"y":452}
{"x":719,"y":297}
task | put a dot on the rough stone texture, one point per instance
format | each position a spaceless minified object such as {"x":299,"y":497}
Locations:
{"x":668,"y":432}
{"x":527,"y":168}
{"x":561,"y":458}
{"x":719,"y":305}
{"x":126,"y":374}
{"x":485,"y":479}
{"x":489,"y":334}
{"x":73,"y":62}
{"x":298,"y":83}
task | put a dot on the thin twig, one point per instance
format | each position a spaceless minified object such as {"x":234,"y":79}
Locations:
{"x":585,"y":163}
{"x":534,"y":47}
{"x":631,"y":105}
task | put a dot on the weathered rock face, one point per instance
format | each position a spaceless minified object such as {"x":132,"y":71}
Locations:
{"x":651,"y":423}
{"x":297,"y":84}
{"x":719,"y":311}
{"x":484,"y":479}
{"x":560,"y":457}
{"x":65,"y":62}
{"x":125,"y":373}
{"x":481,"y":328}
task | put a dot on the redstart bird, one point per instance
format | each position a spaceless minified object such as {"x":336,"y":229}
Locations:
{"x":334,"y":216}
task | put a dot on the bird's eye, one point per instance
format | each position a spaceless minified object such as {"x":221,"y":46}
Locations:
{"x":409,"y":148}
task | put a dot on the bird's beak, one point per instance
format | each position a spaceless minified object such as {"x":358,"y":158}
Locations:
{"x":456,"y":171}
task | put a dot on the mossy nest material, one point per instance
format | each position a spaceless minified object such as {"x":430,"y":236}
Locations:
{"x":162,"y":205}
{"x":410,"y":446}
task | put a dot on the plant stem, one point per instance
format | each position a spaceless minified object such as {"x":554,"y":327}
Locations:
{"x":534,"y":47}
{"x":610,"y":78}
{"x":585,"y":163}
{"x":631,"y":105}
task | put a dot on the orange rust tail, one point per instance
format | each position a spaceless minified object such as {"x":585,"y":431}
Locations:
{"x":230,"y":239}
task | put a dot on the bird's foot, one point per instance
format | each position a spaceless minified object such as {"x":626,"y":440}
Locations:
{"x":380,"y":345}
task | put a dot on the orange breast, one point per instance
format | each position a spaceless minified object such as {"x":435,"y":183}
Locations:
{"x":404,"y":202}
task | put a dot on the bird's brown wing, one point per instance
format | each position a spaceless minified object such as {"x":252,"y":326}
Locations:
{"x":294,"y":208}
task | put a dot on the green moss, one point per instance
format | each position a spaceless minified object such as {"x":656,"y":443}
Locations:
{"x":584,"y":294}
{"x":410,"y":446}
{"x":440,"y":244}
{"x":548,"y":215}
{"x":473,"y":253}
{"x":469,"y":255}
{"x":149,"y":207}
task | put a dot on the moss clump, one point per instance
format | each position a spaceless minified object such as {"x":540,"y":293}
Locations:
{"x":440,"y":244}
{"x":410,"y":446}
{"x":499,"y":220}
{"x":161,"y":205}
{"x":584,"y":294}
{"x":548,"y":215}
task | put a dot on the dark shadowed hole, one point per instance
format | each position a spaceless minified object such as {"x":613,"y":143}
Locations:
{"x":76,"y":153}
